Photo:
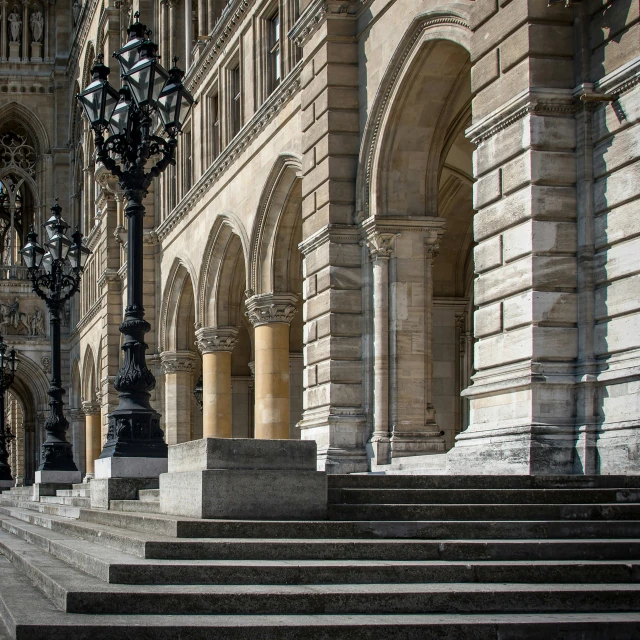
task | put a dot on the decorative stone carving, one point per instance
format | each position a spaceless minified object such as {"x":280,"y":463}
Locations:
{"x":380,"y":245}
{"x":12,"y":320}
{"x":36,"y":323}
{"x":211,"y":339}
{"x":15,"y":24}
{"x":266,"y":308}
{"x":77,"y":8}
{"x":37,"y":25}
{"x":46,"y":364}
{"x":177,"y":361}
{"x":15,"y":152}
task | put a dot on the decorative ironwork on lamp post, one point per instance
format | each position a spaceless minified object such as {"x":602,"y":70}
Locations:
{"x":8,"y":366}
{"x":55,"y":273}
{"x":150,"y":99}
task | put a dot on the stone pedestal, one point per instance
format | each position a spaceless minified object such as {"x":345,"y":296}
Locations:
{"x":14,"y":52}
{"x":58,"y":477}
{"x":104,"y":490}
{"x":244,"y":479}
{"x":6,"y":484}
{"x":93,"y":438}
{"x":115,"y":467}
{"x":36,"y":52}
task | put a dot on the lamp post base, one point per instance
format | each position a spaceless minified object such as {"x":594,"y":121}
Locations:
{"x":130,"y":467}
{"x":58,"y":477}
{"x":6,"y":484}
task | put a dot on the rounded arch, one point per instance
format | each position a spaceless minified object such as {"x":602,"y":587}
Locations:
{"x":227,"y":241}
{"x":275,"y":226}
{"x":177,"y":320}
{"x":448,"y":26}
{"x":17,"y":111}
{"x":31,"y":384}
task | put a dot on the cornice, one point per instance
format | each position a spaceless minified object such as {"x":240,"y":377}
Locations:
{"x":621,"y":80}
{"x":232,"y":15}
{"x":552,"y":102}
{"x":338,"y":233}
{"x":260,"y":119}
{"x":316,"y":13}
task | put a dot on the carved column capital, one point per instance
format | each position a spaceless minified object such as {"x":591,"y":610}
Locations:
{"x":90,"y":408}
{"x":380,"y":245}
{"x":267,"y":308}
{"x":178,"y":361}
{"x":210,"y":339}
{"x":431,"y":250}
{"x":75,"y":414}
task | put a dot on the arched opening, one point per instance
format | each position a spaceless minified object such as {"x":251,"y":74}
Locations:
{"x":421,"y":179}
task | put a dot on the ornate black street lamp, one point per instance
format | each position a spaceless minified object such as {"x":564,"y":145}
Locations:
{"x":152,"y":100}
{"x":8,"y":366}
{"x":197,"y":392}
{"x":55,"y":273}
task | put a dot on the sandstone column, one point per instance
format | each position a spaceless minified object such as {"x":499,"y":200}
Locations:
{"x":3,"y":31}
{"x":178,"y":368}
{"x":93,"y":440}
{"x":271,"y":315}
{"x":216,"y":345}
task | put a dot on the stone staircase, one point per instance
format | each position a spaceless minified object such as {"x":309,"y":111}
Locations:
{"x":399,"y":557}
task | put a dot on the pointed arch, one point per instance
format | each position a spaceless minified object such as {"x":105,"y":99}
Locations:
{"x":177,"y":317}
{"x":88,"y":385}
{"x":227,"y":241}
{"x":25,"y":178}
{"x":15,"y":110}
{"x":444,"y":25}
{"x":267,"y":266}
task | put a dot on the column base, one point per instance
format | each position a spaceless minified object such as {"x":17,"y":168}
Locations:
{"x":244,"y":479}
{"x":117,"y":467}
{"x":379,"y":451}
{"x":416,"y":440}
{"x":47,"y":476}
{"x":340,"y":438}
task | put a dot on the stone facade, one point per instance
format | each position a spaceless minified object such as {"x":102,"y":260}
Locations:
{"x":398,"y":228}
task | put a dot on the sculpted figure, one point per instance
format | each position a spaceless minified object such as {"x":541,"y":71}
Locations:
{"x":37,"y":25}
{"x":15,"y":24}
{"x":77,"y":6}
{"x":36,"y":323}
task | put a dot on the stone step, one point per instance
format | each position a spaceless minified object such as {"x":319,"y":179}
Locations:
{"x":483,"y":496}
{"x":190,"y":528}
{"x":42,"y":507}
{"x":30,"y":615}
{"x":484,"y":512}
{"x":157,"y":547}
{"x":114,"y":566}
{"x":72,"y":501}
{"x":74,"y":493}
{"x":377,"y":481}
{"x":149,"y":495}
{"x":77,"y":592}
{"x":143,"y":506}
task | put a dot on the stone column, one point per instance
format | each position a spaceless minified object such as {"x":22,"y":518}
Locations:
{"x":93,"y":439}
{"x":271,"y":314}
{"x":380,"y":247}
{"x":173,"y":15}
{"x":216,"y":345}
{"x":202,"y":18}
{"x":178,"y":368}
{"x":25,"y":31}
{"x":77,"y":435}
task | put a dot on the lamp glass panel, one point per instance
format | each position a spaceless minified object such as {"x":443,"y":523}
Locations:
{"x":120,"y":119}
{"x":50,"y":226}
{"x":159,"y":80}
{"x":91,"y":99}
{"x":184,"y":110}
{"x":129,"y":55}
{"x":47,"y":262}
{"x":138,"y":81}
{"x":167,"y":104}
{"x":110,"y":104}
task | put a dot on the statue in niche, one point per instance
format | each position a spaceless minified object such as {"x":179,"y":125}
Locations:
{"x":37,"y":25}
{"x":12,"y":320}
{"x":36,"y":323}
{"x":77,"y":7}
{"x":15,"y":24}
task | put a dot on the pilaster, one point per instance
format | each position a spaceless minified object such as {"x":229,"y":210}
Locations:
{"x":178,"y":368}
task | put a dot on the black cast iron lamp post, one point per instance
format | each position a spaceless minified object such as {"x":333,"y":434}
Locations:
{"x":150,"y":99}
{"x":55,"y":273}
{"x":8,"y":366}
